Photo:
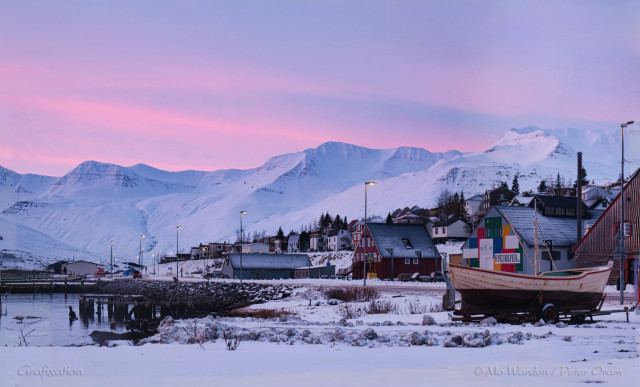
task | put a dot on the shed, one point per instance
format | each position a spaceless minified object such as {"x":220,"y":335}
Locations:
{"x":264,"y":266}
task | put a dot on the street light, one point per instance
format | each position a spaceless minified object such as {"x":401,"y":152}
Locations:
{"x":112,"y":242}
{"x":177,"y":229}
{"x":241,"y":272}
{"x":621,"y":231}
{"x":364,"y":260}
{"x":204,"y":264}
{"x":140,"y":253}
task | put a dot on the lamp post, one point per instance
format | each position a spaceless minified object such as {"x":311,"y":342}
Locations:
{"x":112,"y":242}
{"x":204,"y":264}
{"x":140,"y":253}
{"x":390,"y":251}
{"x":621,"y":233}
{"x":241,"y":272}
{"x":178,"y":228}
{"x":364,"y":230}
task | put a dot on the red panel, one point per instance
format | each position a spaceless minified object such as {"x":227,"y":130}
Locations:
{"x":482,"y":233}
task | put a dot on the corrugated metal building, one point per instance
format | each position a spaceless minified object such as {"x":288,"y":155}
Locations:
{"x":600,"y":245}
{"x":264,"y":266}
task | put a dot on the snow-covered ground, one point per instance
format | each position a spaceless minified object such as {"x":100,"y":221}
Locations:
{"x":312,"y":343}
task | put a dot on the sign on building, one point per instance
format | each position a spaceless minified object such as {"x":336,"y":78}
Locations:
{"x":506,"y":258}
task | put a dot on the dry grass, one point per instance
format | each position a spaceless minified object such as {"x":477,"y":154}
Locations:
{"x":352,"y":294}
{"x":259,"y":313}
{"x":349,"y":310}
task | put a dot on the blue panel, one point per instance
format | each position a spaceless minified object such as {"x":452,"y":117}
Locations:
{"x":497,"y":245}
{"x":473,"y":243}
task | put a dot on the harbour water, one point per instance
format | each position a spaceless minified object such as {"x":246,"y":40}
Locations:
{"x":44,"y":319}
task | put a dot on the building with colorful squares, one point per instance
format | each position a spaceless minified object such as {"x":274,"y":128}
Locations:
{"x":504,"y":240}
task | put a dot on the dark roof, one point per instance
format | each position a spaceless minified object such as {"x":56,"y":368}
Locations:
{"x":557,"y":201}
{"x":333,"y":233}
{"x":446,"y":222}
{"x":269,"y":261}
{"x":392,"y":236}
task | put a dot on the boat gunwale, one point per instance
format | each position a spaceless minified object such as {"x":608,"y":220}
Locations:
{"x":585,"y":273}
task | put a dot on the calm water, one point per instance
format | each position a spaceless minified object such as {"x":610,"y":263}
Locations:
{"x":52,"y":327}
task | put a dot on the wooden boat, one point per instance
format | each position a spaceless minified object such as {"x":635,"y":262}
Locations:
{"x":492,"y":292}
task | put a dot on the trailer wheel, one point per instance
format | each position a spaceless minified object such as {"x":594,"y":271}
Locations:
{"x":549,"y":314}
{"x":578,"y":318}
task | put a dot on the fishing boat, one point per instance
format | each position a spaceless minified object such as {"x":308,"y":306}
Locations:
{"x":546,"y":295}
{"x":542,"y":295}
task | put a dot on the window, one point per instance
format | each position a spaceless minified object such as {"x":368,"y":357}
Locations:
{"x":436,"y":230}
{"x":407,"y":261}
{"x":415,"y":261}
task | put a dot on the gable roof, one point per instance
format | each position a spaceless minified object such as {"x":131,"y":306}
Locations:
{"x":558,"y":201}
{"x":446,"y":222}
{"x":563,"y":231}
{"x":390,"y":236}
{"x":269,"y":261}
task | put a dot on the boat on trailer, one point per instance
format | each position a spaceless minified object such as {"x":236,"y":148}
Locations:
{"x":576,"y":293}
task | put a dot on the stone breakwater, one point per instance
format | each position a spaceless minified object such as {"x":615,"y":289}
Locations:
{"x":184,"y":299}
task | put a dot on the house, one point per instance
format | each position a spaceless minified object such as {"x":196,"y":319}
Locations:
{"x":317,"y":242}
{"x":564,"y":206}
{"x":472,"y":205}
{"x":80,"y":269}
{"x":393,"y":249}
{"x":293,"y":243}
{"x":280,"y":246}
{"x":496,"y":197}
{"x":411,"y":218}
{"x":521,"y":201}
{"x":218,"y":250}
{"x":601,"y":244}
{"x":200,"y":252}
{"x":338,"y":240}
{"x":504,"y":240}
{"x":449,"y":229}
{"x":264,"y":266}
{"x":255,"y":248}
{"x":593,"y":192}
{"x":323,"y":271}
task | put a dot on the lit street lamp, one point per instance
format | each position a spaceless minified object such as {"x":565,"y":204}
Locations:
{"x":140,"y":253}
{"x":177,"y":229}
{"x":364,"y":260}
{"x":241,"y":272}
{"x":621,"y":231}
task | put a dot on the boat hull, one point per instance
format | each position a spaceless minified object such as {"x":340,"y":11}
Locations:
{"x":486,"y":291}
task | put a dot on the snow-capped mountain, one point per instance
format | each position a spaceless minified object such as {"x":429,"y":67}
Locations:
{"x":96,"y":203}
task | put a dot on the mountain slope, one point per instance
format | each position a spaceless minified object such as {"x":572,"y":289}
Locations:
{"x":96,"y":203}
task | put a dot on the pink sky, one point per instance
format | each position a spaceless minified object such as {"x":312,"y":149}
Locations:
{"x":211,"y":85}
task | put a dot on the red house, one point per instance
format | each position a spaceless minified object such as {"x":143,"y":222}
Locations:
{"x":394,"y":249}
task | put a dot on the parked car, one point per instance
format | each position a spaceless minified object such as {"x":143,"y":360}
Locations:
{"x":436,"y":276}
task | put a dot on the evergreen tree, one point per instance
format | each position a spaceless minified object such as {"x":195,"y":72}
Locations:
{"x":304,"y":241}
{"x":345,"y":223}
{"x":462,"y":209}
{"x":504,"y":185}
{"x":543,"y":186}
{"x":389,"y":219}
{"x":585,"y":181}
{"x":515,"y":185}
{"x":337,"y":222}
{"x":455,"y":205}
{"x":280,"y":234}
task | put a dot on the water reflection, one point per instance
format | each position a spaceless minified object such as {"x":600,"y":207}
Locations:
{"x":50,"y":315}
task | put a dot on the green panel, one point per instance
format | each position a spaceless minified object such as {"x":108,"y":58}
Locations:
{"x":520,"y":266}
{"x":474,"y":262}
{"x":494,"y":227}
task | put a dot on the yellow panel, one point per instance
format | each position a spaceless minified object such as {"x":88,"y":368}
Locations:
{"x":497,"y":266}
{"x":506,"y":230}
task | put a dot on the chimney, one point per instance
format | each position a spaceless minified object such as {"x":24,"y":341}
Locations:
{"x":579,"y":196}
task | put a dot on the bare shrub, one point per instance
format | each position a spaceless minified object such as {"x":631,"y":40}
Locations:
{"x":352,"y":294}
{"x":381,"y":307}
{"x":434,"y":308}
{"x":349,"y":310}
{"x":193,"y":336}
{"x":416,"y":307}
{"x":232,"y":341}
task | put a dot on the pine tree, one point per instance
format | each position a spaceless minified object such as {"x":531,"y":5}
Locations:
{"x":543,"y":186}
{"x":515,"y":186}
{"x":280,"y":234}
{"x":462,"y":209}
{"x":504,"y":185}
{"x":389,"y":219}
{"x":585,"y":181}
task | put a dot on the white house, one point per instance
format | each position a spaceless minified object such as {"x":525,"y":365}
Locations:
{"x":294,"y":243}
{"x":449,"y":229}
{"x":80,"y":268}
{"x":593,"y":192}
{"x":317,"y":242}
{"x":339,"y":240}
{"x":472,"y":205}
{"x":255,"y":248}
